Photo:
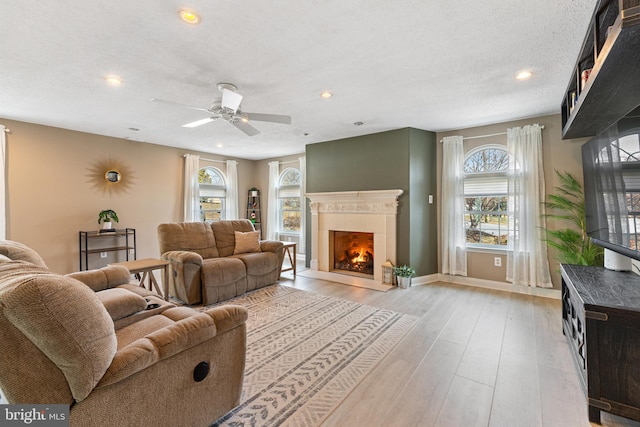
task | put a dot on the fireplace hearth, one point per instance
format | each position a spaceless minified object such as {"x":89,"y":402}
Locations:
{"x":353,"y":252}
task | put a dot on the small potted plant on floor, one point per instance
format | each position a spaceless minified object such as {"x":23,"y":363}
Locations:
{"x":404,"y":273}
{"x":106,"y":217}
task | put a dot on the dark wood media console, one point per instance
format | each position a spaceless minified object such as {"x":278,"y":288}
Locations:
{"x":601,"y":320}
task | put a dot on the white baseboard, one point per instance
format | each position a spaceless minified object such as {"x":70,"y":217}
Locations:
{"x":488,"y":284}
{"x":438,"y":277}
{"x":425,"y":280}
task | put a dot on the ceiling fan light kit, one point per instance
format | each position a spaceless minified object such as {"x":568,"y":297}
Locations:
{"x":227,"y":108}
{"x":230,"y":98}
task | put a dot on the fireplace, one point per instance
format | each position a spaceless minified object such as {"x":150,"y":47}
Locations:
{"x":373,"y":213}
{"x":352,"y":253}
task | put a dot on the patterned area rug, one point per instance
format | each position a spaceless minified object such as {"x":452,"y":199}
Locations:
{"x":306,"y":352}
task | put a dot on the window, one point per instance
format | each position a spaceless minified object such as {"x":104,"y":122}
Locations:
{"x":289,"y":201}
{"x":485,"y":197}
{"x":213,"y":191}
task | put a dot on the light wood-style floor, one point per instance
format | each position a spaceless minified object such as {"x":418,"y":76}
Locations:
{"x":476,"y":357}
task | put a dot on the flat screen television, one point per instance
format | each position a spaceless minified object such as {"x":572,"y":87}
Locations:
{"x":611,"y":166}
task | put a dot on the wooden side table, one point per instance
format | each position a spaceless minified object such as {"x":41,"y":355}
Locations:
{"x":145,"y":267}
{"x":288,"y":246}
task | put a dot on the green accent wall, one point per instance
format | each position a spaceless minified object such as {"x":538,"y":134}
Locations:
{"x":423,"y":250}
{"x":400,"y":159}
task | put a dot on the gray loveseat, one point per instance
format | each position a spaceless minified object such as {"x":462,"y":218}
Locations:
{"x":212,"y":262}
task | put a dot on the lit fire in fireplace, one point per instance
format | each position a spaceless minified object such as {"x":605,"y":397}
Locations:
{"x":353,"y":252}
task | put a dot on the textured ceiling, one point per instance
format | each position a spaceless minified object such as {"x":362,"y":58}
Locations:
{"x":429,"y":64}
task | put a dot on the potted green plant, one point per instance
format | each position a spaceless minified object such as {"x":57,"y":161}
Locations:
{"x":404,"y":273}
{"x":572,"y":244}
{"x":106,"y":217}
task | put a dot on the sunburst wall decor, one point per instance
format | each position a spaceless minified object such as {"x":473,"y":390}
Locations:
{"x":111,"y":176}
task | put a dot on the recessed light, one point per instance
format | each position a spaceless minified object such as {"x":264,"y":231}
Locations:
{"x":326,"y":94}
{"x":189,"y":16}
{"x":524,"y":75}
{"x":134,"y":129}
{"x":220,"y":145}
{"x":113,"y":80}
{"x":358,"y":123}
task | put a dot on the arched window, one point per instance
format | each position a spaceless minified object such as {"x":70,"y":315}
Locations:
{"x":289,"y":201}
{"x":485,"y":196}
{"x":213,"y":191}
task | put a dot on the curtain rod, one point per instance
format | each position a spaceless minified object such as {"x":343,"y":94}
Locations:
{"x":486,"y":136}
{"x":224,"y":161}
{"x":213,"y":160}
{"x":208,"y":160}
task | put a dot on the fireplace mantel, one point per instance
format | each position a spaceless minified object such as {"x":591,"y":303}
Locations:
{"x":360,"y":202}
{"x":364,"y":211}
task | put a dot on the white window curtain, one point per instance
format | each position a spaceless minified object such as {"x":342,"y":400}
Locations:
{"x":191,"y":188}
{"x":303,"y":203}
{"x":527,"y":262}
{"x":454,"y":242}
{"x":3,"y":183}
{"x":272,"y":200}
{"x":231,"y":205}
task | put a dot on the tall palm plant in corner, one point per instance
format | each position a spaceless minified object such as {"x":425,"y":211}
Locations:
{"x":572,"y":244}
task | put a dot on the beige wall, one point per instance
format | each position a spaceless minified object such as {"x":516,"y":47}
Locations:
{"x":561,"y":155}
{"x":51,"y":196}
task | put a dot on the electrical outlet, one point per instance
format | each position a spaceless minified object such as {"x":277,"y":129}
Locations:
{"x":497,"y":261}
{"x":132,"y":251}
{"x":103,"y":254}
{"x":430,"y":199}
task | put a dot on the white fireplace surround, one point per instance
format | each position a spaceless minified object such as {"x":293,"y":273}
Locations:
{"x":363,"y":211}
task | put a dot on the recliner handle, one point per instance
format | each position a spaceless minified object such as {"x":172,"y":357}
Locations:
{"x":201,"y":371}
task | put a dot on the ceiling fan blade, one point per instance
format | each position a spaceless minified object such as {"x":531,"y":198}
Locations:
{"x":245,"y":127}
{"x":199,"y":122}
{"x":162,"y":101}
{"x":231,"y":100}
{"x":273,"y":118}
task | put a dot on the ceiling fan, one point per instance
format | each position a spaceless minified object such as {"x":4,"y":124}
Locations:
{"x":227,"y":108}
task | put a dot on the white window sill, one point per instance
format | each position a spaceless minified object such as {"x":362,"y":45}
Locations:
{"x":488,"y":250}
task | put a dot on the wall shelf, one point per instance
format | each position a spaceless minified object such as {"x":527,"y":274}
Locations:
{"x":611,"y":53}
{"x":253,"y":210}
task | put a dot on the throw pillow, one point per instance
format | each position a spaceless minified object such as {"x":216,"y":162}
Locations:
{"x":247,"y":242}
